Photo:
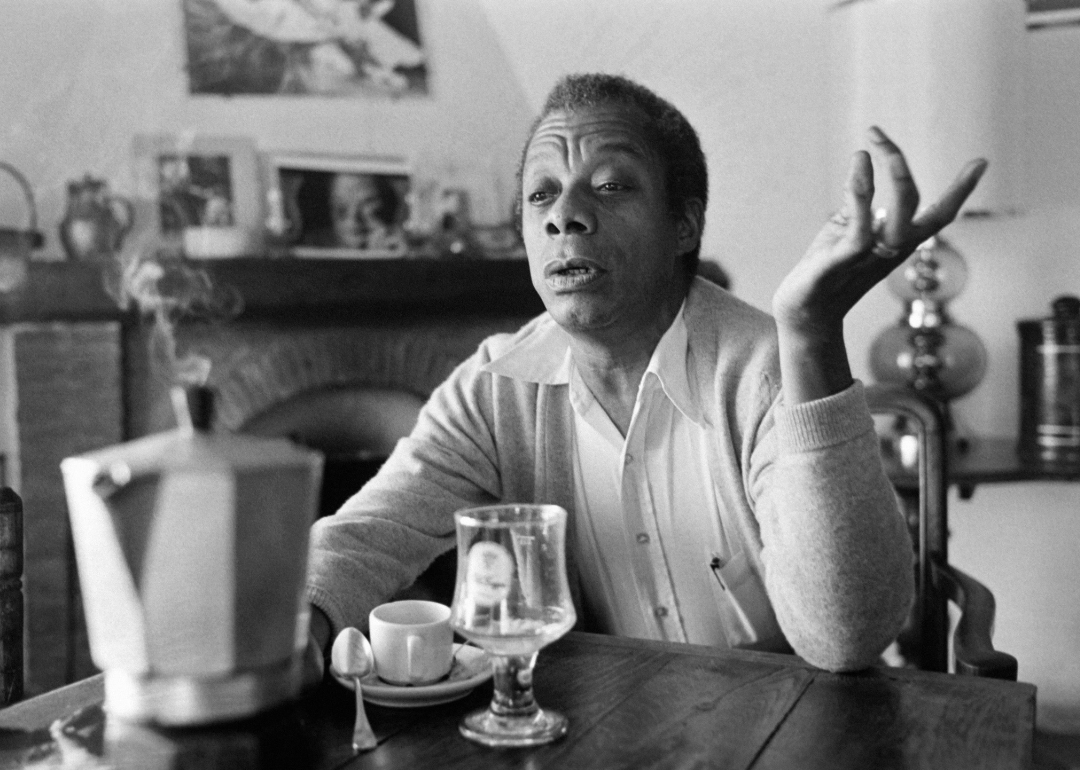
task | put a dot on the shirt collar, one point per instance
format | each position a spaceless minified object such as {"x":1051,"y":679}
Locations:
{"x":543,"y":357}
{"x":669,"y":364}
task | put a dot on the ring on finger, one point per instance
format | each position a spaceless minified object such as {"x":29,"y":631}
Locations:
{"x":879,"y":220}
{"x":884,"y":251}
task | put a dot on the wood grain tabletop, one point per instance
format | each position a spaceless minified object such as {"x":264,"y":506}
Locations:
{"x":631,"y":704}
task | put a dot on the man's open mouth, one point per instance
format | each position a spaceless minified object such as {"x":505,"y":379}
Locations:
{"x":572,"y":274}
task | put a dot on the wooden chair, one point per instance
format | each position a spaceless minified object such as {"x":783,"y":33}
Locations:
{"x":937,"y":583}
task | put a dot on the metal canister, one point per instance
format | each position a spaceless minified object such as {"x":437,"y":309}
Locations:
{"x":1050,"y":385}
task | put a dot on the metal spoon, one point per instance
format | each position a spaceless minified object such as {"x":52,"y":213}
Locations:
{"x":351,"y":656}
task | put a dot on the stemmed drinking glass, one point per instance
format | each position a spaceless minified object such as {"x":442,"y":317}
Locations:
{"x":512,"y":598}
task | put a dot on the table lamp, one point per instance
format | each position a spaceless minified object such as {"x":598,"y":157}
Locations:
{"x":926,"y":350}
{"x":941,"y":79}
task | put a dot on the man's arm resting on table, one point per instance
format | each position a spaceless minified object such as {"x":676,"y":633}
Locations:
{"x":837,"y":556}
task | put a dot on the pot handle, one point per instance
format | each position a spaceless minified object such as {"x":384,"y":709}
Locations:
{"x":37,"y":238}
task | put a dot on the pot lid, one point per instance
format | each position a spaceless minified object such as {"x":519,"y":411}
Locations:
{"x":192,"y":446}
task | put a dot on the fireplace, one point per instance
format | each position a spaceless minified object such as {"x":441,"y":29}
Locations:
{"x":338,"y":355}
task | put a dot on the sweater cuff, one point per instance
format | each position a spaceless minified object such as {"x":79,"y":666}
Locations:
{"x":325,"y":602}
{"x":826,"y":421}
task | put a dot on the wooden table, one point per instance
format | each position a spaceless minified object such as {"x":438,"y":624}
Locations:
{"x":631,"y":704}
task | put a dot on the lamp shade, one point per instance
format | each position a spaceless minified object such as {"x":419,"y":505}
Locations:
{"x":941,"y":77}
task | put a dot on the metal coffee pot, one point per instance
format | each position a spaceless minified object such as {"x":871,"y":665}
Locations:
{"x":191,"y":549}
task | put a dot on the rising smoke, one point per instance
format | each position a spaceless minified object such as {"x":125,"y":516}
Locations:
{"x":169,"y":289}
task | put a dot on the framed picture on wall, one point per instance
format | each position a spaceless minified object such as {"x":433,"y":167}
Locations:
{"x":201,"y":187}
{"x":329,"y":206}
{"x":297,"y":47}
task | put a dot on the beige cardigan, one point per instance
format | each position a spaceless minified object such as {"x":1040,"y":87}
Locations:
{"x":814,"y":511}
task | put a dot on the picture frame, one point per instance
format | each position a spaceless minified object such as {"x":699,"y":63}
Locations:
{"x":201,"y":185}
{"x":323,"y":206}
{"x":370,"y":49}
{"x":1044,"y":14}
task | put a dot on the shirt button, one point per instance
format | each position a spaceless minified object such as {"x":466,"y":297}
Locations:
{"x":629,"y":459}
{"x":642,"y":538}
{"x":660,"y":612}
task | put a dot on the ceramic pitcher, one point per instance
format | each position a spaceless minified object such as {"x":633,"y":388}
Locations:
{"x":96,"y":221}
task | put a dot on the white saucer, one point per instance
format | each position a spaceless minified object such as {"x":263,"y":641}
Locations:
{"x":471,"y":667}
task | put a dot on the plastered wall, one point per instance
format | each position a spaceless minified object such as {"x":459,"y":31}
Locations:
{"x":81,"y":78}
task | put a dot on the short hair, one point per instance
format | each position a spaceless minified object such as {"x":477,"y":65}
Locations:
{"x":672,"y":136}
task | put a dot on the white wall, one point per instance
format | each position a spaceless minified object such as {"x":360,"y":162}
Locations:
{"x":81,"y":77}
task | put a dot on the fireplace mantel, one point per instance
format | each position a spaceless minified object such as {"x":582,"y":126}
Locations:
{"x":82,"y":376}
{"x":304,"y":289}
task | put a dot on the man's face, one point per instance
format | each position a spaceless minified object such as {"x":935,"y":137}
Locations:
{"x":354,"y":203}
{"x":603,"y":247}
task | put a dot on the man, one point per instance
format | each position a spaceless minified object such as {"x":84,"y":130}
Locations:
{"x":720,"y":468}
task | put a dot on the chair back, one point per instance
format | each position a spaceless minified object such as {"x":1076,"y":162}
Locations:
{"x":927,"y":518}
{"x":925,"y":643}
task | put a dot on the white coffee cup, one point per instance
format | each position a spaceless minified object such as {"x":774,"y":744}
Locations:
{"x":412,"y":641}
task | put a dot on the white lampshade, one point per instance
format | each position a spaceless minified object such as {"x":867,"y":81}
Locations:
{"x":941,"y":77}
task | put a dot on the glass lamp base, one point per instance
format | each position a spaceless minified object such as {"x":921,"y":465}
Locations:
{"x":486,"y":727}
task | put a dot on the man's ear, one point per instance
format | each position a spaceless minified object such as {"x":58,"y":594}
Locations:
{"x":690,"y":224}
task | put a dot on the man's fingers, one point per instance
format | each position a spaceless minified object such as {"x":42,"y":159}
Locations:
{"x":857,"y":219}
{"x":903,"y":193}
{"x":945,"y":209}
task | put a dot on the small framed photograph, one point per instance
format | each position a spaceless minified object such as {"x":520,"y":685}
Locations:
{"x":201,"y":184}
{"x":328,"y":206}
{"x":1043,"y":14}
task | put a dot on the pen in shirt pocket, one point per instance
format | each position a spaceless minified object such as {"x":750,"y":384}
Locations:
{"x":715,"y":565}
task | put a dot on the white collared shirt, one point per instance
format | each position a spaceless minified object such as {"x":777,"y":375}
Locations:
{"x":649,"y":523}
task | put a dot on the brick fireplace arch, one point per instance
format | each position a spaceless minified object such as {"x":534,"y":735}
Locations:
{"x":87,"y":375}
{"x":288,"y":368}
{"x":350,"y":394}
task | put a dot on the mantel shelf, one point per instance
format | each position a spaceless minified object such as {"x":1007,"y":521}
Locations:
{"x":301,"y":289}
